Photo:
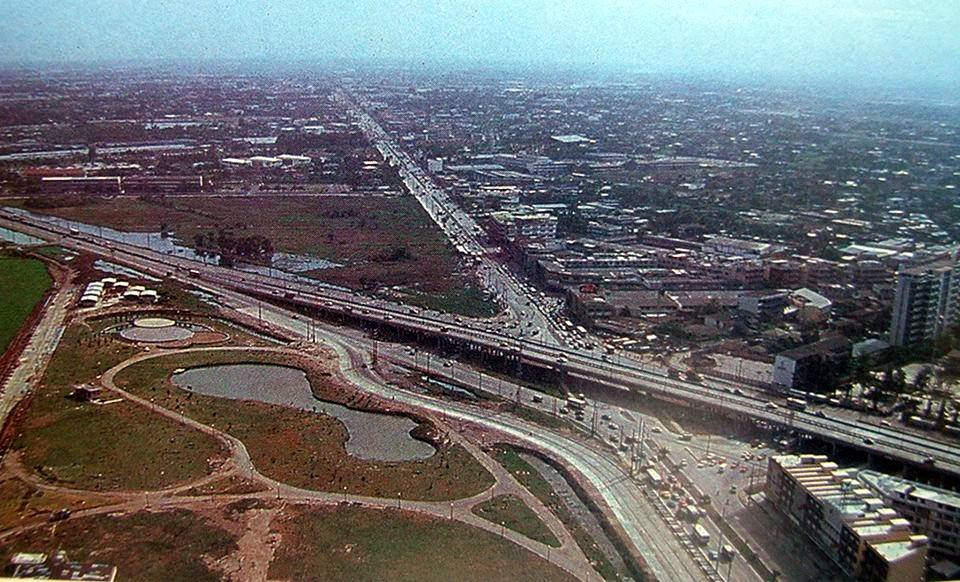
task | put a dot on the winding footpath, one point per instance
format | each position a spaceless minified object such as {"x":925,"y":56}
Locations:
{"x":568,"y":556}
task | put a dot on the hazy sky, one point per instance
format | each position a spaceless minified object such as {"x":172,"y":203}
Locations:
{"x":885,"y":41}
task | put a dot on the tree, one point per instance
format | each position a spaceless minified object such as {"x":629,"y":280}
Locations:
{"x":921,"y":381}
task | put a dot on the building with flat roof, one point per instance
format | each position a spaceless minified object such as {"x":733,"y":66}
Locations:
{"x":804,"y":366}
{"x":102,"y":185}
{"x":734,"y":247}
{"x":527,"y":225}
{"x":932,"y":511}
{"x":868,"y":540}
{"x":39,"y":566}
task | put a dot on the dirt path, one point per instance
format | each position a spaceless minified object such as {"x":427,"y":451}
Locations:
{"x":256,"y":544}
{"x":255,"y":548}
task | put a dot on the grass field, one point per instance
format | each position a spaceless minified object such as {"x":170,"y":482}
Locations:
{"x":106,"y":447}
{"x":381,"y":242}
{"x":302,"y":448}
{"x":350,"y":543}
{"x":511,"y":512}
{"x":22,"y":285}
{"x":468,"y":301}
{"x":536,"y":484}
{"x":145,"y":546}
{"x":20,"y":500}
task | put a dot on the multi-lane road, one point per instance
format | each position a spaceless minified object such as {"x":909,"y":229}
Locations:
{"x":619,"y":373}
{"x":463,"y":232}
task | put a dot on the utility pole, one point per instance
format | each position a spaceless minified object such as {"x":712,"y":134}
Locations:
{"x":723,"y":515}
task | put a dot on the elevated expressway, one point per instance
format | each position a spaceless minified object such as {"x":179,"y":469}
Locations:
{"x":629,"y":376}
{"x":459,"y":227}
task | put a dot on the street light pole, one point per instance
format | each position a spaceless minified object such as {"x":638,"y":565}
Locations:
{"x":723,"y":515}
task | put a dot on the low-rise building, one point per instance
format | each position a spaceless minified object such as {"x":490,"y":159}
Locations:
{"x":39,"y":566}
{"x":805,"y":365}
{"x":765,"y":306}
{"x":100,"y":185}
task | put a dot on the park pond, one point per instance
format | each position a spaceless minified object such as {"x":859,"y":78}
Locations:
{"x":372,"y":436}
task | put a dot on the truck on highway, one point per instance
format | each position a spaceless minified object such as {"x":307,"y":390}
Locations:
{"x":700,"y":534}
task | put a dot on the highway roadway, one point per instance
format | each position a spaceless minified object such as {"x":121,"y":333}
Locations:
{"x":619,"y":373}
{"x":464,"y":233}
{"x":665,"y":555}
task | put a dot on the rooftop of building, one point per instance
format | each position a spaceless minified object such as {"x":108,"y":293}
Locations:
{"x":828,"y":346}
{"x":894,"y":551}
{"x":889,"y":484}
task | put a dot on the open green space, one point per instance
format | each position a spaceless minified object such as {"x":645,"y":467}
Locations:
{"x":145,"y":546}
{"x":352,"y":543}
{"x":105,"y":447}
{"x":304,"y":448}
{"x":536,"y":484}
{"x":20,"y":501}
{"x":511,"y":512}
{"x":468,"y":301}
{"x":380,"y":242}
{"x":22,"y":285}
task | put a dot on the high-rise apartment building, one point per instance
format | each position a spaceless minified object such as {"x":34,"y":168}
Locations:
{"x":927,"y":301}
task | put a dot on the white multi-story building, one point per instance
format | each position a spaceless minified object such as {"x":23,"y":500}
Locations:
{"x":932,"y":511}
{"x":868,"y":540}
{"x":527,"y":225}
{"x":735,"y":247}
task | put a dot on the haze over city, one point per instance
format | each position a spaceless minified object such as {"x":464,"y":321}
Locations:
{"x":877,"y":42}
{"x":480,"y":290}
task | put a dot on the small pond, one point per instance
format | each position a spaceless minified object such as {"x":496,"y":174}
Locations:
{"x":373,"y":436}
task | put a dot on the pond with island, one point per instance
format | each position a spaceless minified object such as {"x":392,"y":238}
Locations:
{"x":372,"y":436}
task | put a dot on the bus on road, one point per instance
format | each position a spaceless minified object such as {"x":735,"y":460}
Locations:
{"x":575,"y":403}
{"x":797,"y":404}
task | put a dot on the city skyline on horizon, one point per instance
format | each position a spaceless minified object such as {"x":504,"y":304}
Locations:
{"x":871,"y":42}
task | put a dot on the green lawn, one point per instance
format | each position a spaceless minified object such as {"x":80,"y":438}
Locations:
{"x":536,"y":484}
{"x":511,"y":512}
{"x":107,"y":447}
{"x":467,"y":301}
{"x":22,"y":284}
{"x":303,"y":448}
{"x":351,"y":543}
